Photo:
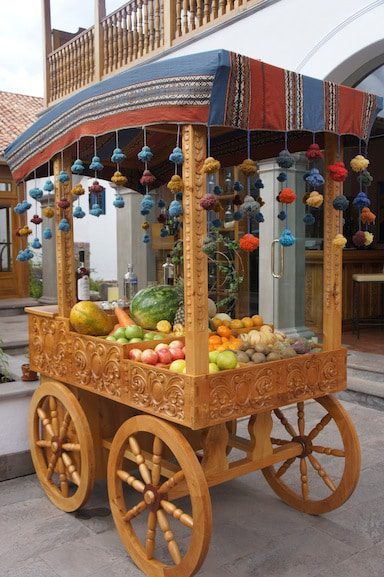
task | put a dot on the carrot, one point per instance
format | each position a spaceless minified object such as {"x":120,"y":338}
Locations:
{"x":115,"y":328}
{"x":123,"y":317}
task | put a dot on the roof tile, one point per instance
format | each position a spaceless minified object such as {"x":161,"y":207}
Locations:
{"x":17,"y":112}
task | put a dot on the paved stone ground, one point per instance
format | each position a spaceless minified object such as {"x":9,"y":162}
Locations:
{"x":254,"y":533}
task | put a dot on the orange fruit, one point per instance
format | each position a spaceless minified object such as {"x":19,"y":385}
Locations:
{"x":224,"y":331}
{"x":215,"y":323}
{"x":211,"y":348}
{"x":257,"y":320}
{"x":247,"y":322}
{"x":236,"y":324}
{"x":214,"y":340}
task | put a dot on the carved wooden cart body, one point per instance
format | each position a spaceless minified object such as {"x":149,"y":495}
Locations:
{"x":168,"y":436}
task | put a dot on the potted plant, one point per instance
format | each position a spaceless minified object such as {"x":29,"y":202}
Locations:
{"x":5,"y":377}
{"x":27,"y":373}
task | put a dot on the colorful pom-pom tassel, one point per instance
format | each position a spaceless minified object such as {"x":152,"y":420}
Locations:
{"x":358,"y":239}
{"x":78,"y":167}
{"x":119,"y":202}
{"x":176,"y":156}
{"x":249,"y":242}
{"x":22,"y":207}
{"x":314,"y":152}
{"x":315,"y":199}
{"x":118,"y":156}
{"x":309,"y":219}
{"x":36,"y":219}
{"x":208,"y":202}
{"x":147,"y":178}
{"x":339,"y":241}
{"x":340,"y":202}
{"x":259,"y":217}
{"x":248,"y":167}
{"x":145,"y":225}
{"x":96,"y":187}
{"x":78,"y":212}
{"x":64,"y":225}
{"x":368,"y":238}
{"x":63,"y":203}
{"x":258,"y":184}
{"x":63,"y":177}
{"x":175,"y":209}
{"x":365,"y":178}
{"x":282,"y":176}
{"x":211,"y":165}
{"x":78,"y":190}
{"x":282,"y":215}
{"x":287,"y":238}
{"x":47,"y":233}
{"x":48,"y":212}
{"x":36,"y":193}
{"x":361,"y":200}
{"x":36,"y":244}
{"x":287,"y":196}
{"x":366,"y":216}
{"x":314,"y":178}
{"x":96,"y":164}
{"x":146,"y":238}
{"x":285,"y":159}
{"x":359,"y":163}
{"x":48,"y":186}
{"x":176,"y":184}
{"x":145,"y":154}
{"x":147,"y":203}
{"x":119,"y":179}
{"x":96,"y":210}
{"x":337,"y":171}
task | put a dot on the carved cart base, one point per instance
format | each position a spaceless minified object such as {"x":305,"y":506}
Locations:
{"x":87,"y":422}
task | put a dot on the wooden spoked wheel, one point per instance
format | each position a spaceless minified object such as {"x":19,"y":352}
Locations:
{"x":61,"y":446}
{"x":326,"y":473}
{"x":165,"y":535}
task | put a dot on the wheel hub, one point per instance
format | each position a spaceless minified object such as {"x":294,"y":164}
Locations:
{"x":152,"y":497}
{"x":305,"y":443}
{"x":56,"y":446}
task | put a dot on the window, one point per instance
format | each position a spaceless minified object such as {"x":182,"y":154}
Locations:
{"x":97,"y":198}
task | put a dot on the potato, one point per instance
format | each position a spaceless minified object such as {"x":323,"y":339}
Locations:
{"x":261,"y":348}
{"x":258,"y":358}
{"x":242,"y":357}
{"x":288,"y":353}
{"x":250,"y":352}
{"x":273,"y":357}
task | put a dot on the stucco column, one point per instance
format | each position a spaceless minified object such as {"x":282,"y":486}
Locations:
{"x":49,"y":295}
{"x":282,"y":301}
{"x":130,"y":248}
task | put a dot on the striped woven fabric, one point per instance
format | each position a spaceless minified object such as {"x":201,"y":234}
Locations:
{"x":219,"y":88}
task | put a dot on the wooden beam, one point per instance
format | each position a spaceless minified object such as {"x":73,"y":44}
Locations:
{"x":333,"y":256}
{"x":195,"y":261}
{"x":47,"y":47}
{"x":169,"y":23}
{"x":100,"y":13}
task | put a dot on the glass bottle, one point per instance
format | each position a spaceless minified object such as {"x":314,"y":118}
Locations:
{"x":82,"y":280}
{"x":169,"y":271}
{"x":130,"y":285}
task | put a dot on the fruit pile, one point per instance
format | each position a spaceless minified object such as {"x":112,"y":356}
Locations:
{"x":133,"y":334}
{"x":268,"y":346}
{"x":170,"y":356}
{"x":223,"y":319}
{"x":222,"y":361}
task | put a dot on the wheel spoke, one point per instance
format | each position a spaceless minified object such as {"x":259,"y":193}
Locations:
{"x":322,"y":473}
{"x":46,"y":421}
{"x":328,"y":451}
{"x":173,"y":547}
{"x":151,"y":535}
{"x":171,"y":482}
{"x":71,"y":447}
{"x":71,"y":468}
{"x":284,"y":421}
{"x":320,"y":426}
{"x":131,"y":480}
{"x":53,"y":412}
{"x":144,"y":471}
{"x":64,"y":425}
{"x":63,"y":478}
{"x":275,"y":441}
{"x":135,"y":511}
{"x":157,"y":452}
{"x":43,"y":443}
{"x":51,"y":466}
{"x":284,"y":467}
{"x":304,"y":478}
{"x":300,"y":418}
{"x":179,"y":514}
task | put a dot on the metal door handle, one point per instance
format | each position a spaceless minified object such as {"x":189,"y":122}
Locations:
{"x":281,"y":271}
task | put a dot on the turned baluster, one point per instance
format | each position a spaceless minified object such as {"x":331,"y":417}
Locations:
{"x":134,"y":30}
{"x":192,"y":15}
{"x":86,"y":59}
{"x":151,"y":32}
{"x":92,"y":56}
{"x":214,"y":11}
{"x":115,"y":48}
{"x":77,"y":79}
{"x":110,"y":45}
{"x":124,"y":35}
{"x":65,"y":71}
{"x":206,"y":11}
{"x":119,"y":39}
{"x":162,"y":33}
{"x":140,"y":27}
{"x":71,"y":67}
{"x":185,"y":28}
{"x":129,"y":33}
{"x":178,"y":18}
{"x":200,"y":12}
{"x":222,"y":5}
{"x":52,"y":71}
{"x":158,"y":37}
{"x":81,"y":62}
{"x":145,"y":26}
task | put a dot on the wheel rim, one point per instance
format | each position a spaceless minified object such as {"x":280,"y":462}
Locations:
{"x":157,"y":514}
{"x":61,"y":446}
{"x":304,"y":481}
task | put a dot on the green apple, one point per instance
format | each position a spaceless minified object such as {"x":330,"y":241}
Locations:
{"x":159,"y":337}
{"x":122,"y":341}
{"x":136,"y":340}
{"x":177,"y":366}
{"x":213,"y":356}
{"x":110,"y":338}
{"x":119,"y":333}
{"x":226,"y":360}
{"x":213,"y":368}
{"x":149,"y":336}
{"x":133,"y":332}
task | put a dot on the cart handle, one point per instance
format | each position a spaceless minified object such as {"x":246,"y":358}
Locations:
{"x":281,"y":271}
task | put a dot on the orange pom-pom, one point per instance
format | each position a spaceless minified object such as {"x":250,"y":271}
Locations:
{"x":287,"y":196}
{"x":249,"y":243}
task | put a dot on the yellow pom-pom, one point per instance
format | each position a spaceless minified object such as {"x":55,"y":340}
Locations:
{"x":340,"y":241}
{"x":25,"y":231}
{"x":368,"y":238}
{"x":176,"y":184}
{"x":145,"y":225}
{"x":78,"y":190}
{"x":359,"y":163}
{"x":315,"y":199}
{"x":248,"y":167}
{"x":48,"y":212}
{"x":211,"y":165}
{"x":119,"y":179}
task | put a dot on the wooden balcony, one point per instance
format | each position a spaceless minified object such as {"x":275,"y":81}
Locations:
{"x":139,"y":30}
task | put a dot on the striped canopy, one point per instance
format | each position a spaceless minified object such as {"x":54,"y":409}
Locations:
{"x":217,"y":88}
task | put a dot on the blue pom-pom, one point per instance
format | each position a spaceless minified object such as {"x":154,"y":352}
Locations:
{"x":96,"y":210}
{"x":237,"y":186}
{"x":282,"y":215}
{"x":28,"y":254}
{"x":146,"y":238}
{"x":287,"y":238}
{"x":63,"y":177}
{"x":64,"y":225}
{"x":259,"y":184}
{"x":361,"y":200}
{"x":285,"y":159}
{"x":119,"y":202}
{"x":217,"y":190}
{"x":259,"y":217}
{"x":36,"y":243}
{"x":309,"y":219}
{"x":78,"y":212}
{"x":238,"y":215}
{"x":21,"y":256}
{"x":176,"y":155}
{"x":216,"y":223}
{"x":96,"y":164}
{"x":282,"y":176}
{"x":118,"y":156}
{"x":47,"y":233}
{"x":340,"y":202}
{"x":314,"y":178}
{"x":161,"y":203}
{"x":22,"y":207}
{"x":164,"y":232}
{"x":175,"y":209}
{"x":145,"y":154}
{"x":48,"y":186}
{"x":147,"y":203}
{"x":36,"y":193}
{"x":179,"y":196}
{"x":78,"y":167}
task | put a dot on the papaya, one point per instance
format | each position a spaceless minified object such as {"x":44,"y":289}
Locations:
{"x":87,"y":318}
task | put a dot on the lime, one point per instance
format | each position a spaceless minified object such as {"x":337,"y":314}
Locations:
{"x":213,"y":368}
{"x":213,"y":356}
{"x":110,"y":338}
{"x":226,"y":360}
{"x":158,"y":337}
{"x":133,"y":332}
{"x":149,"y":336}
{"x":119,"y":333}
{"x":122,"y":341}
{"x":136,"y":340}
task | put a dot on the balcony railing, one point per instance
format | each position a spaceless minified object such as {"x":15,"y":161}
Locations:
{"x":138,"y":30}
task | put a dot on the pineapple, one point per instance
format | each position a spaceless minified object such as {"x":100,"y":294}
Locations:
{"x":179,"y":322}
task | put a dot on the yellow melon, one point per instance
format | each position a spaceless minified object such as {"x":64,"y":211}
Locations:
{"x":87,"y":318}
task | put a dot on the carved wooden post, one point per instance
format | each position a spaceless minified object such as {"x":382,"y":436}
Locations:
{"x":333,"y":256}
{"x":47,"y":49}
{"x":195,"y":261}
{"x":98,"y":45}
{"x":169,"y":22}
{"x":65,"y":261}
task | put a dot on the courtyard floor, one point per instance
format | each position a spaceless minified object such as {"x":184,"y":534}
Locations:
{"x":254,"y":534}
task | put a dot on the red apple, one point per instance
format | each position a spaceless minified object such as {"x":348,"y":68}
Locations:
{"x":173,"y":344}
{"x":135,"y":354}
{"x":177,"y":353}
{"x":161,"y":346}
{"x":150,"y":357}
{"x":165,"y":356}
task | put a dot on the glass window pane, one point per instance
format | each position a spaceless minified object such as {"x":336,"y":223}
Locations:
{"x":5,"y":239}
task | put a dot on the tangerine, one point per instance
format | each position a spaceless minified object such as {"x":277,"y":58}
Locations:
{"x":247,"y":322}
{"x":224,"y":331}
{"x":236,"y":324}
{"x":214,"y":340}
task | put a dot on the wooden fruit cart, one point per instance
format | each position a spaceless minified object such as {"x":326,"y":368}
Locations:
{"x":163,"y":439}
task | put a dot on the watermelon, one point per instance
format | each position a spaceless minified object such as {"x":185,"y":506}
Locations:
{"x":154,"y":304}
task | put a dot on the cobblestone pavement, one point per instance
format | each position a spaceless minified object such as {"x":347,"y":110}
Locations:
{"x":254,"y":534}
